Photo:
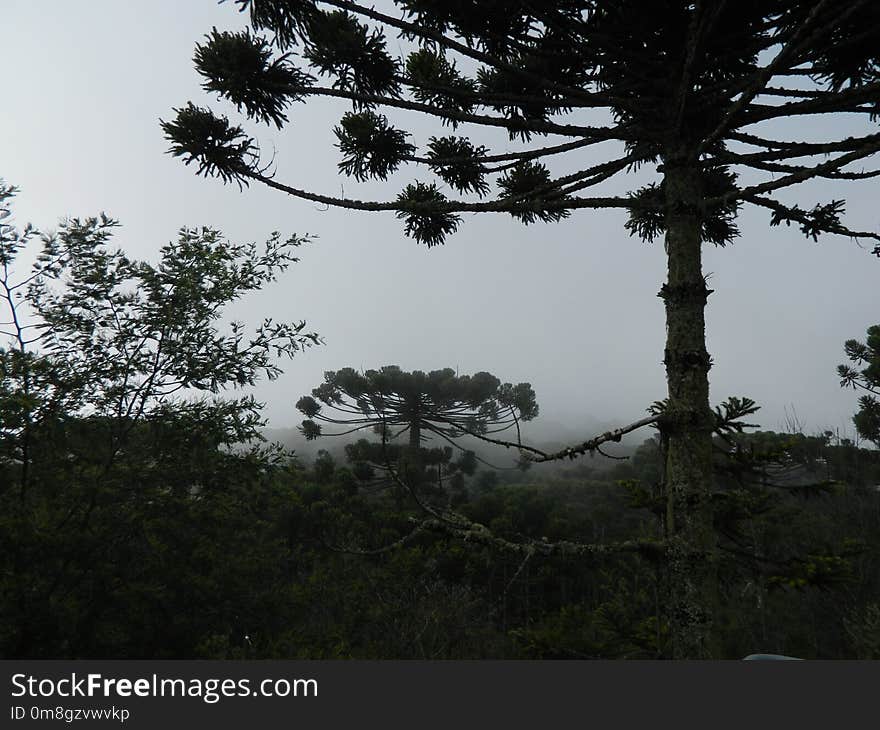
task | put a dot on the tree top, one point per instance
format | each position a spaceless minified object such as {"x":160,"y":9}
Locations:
{"x":440,"y":401}
{"x":671,"y":83}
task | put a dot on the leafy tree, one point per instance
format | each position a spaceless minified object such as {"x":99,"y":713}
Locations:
{"x":130,"y":511}
{"x":867,"y":353}
{"x":694,"y":92}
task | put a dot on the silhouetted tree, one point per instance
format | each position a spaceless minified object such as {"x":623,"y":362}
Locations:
{"x":694,"y":91}
{"x":134,"y":517}
{"x":407,"y":409}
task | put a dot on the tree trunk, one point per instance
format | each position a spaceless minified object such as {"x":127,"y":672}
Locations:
{"x":688,"y":422}
{"x":412,"y":460}
{"x":415,"y":435}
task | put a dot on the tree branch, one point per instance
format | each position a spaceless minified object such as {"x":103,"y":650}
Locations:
{"x":779,"y":150}
{"x":427,"y":34}
{"x":537,"y":456}
{"x":849,"y":100}
{"x":803,"y":217}
{"x":760,"y":79}
{"x":499,"y":206}
{"x":509,"y":156}
{"x":777,"y":167}
{"x":797,"y":177}
{"x":593,"y":444}
{"x":598,"y":134}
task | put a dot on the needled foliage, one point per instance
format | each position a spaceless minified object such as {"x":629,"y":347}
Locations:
{"x":440,"y":401}
{"x":240,"y":68}
{"x":419,"y":203}
{"x":418,"y":418}
{"x":347,"y":50}
{"x":437,"y":81}
{"x":371,"y":147}
{"x":458,"y":163}
{"x":648,"y":221}
{"x":531,"y":181}
{"x":679,"y":84}
{"x":867,"y":379}
{"x":220,"y":149}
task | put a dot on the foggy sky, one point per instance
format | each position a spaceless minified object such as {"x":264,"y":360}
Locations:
{"x":570,"y":307}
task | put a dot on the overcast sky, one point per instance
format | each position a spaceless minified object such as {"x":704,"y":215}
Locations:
{"x":570,"y":307}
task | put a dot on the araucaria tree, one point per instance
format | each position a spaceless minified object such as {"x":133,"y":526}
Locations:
{"x":408,"y":409}
{"x":691,"y":90}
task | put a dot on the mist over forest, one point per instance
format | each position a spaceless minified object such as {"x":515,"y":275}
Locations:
{"x":544,"y":434}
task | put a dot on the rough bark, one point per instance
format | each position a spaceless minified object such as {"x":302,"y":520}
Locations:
{"x":688,"y":422}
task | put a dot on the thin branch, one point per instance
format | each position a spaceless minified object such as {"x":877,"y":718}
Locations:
{"x":592,"y":444}
{"x":612,"y":168}
{"x":599,"y":134}
{"x":528,"y":556}
{"x":796,"y":93}
{"x":760,"y":79}
{"x":611,"y":456}
{"x":778,"y":167}
{"x":468,"y":51}
{"x":461,"y":448}
{"x":499,"y":442}
{"x":855,"y":97}
{"x":351,"y":430}
{"x":700,"y":26}
{"x":495,"y":100}
{"x":800,"y":176}
{"x":510,"y":156}
{"x":537,"y":456}
{"x":801,"y":149}
{"x":452,"y":206}
{"x":803,"y":217}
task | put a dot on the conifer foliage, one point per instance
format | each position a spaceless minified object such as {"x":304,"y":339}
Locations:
{"x":865,"y":379}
